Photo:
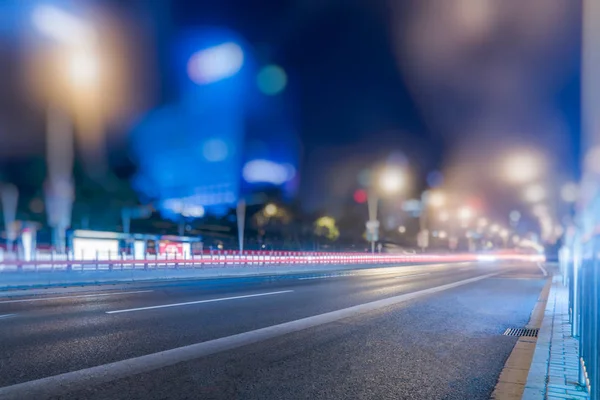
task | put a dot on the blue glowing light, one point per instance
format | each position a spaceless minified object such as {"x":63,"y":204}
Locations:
{"x":215,"y":63}
{"x":265,"y":171}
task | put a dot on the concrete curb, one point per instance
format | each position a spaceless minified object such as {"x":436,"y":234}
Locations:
{"x":554,"y":368}
{"x":512,"y":379}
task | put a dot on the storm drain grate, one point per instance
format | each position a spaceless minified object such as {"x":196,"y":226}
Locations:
{"x":521,"y":332}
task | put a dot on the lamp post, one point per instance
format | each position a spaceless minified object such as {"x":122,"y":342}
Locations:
{"x":78,"y":39}
{"x":389,"y":181}
{"x":435,"y":199}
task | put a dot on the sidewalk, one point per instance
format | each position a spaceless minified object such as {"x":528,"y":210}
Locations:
{"x":554,"y":370}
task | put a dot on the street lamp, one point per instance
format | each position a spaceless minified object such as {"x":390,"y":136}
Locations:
{"x":78,"y":39}
{"x":433,"y":199}
{"x":522,"y":166}
{"x":390,"y":180}
{"x":436,"y":199}
{"x":83,"y":69}
{"x":465,"y":214}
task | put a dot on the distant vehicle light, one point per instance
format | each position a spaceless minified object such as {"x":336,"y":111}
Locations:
{"x":486,"y":258}
{"x":215,"y":63}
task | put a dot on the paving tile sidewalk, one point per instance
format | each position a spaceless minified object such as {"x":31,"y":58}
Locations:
{"x":554,"y":370}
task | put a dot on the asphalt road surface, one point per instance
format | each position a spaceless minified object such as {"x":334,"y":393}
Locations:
{"x":421,"y":332}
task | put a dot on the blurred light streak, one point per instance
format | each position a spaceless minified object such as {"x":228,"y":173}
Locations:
{"x":215,"y":63}
{"x":486,"y":258}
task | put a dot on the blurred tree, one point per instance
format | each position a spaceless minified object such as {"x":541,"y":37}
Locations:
{"x":325,"y":228}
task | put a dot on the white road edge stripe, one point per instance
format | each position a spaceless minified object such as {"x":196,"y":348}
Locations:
{"x":411,"y":275}
{"x":7,"y":316}
{"x":73,"y":297}
{"x":197,"y":302}
{"x":78,"y":380}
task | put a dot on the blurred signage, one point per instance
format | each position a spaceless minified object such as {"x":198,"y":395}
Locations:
{"x":170,"y":248}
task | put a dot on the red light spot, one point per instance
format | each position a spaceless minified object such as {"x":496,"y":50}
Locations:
{"x":360,"y":196}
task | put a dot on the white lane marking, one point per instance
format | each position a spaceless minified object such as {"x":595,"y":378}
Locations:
{"x":543,"y":269}
{"x":77,"y":380}
{"x":198,"y":302}
{"x":7,"y":316}
{"x":321,"y":277}
{"x":411,"y":275}
{"x":74,"y":297}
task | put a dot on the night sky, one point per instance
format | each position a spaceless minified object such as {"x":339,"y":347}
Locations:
{"x":444,"y":88}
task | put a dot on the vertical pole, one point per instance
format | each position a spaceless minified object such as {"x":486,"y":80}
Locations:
{"x":241,"y":222}
{"x":372,"y":202}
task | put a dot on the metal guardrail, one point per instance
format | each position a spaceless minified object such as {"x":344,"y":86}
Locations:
{"x":580,"y":265}
{"x":238,"y":260}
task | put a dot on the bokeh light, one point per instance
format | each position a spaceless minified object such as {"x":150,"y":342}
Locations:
{"x":534,"y":193}
{"x":215,"y":150}
{"x":392,"y":180}
{"x":522,"y":166}
{"x":215,"y":63}
{"x":265,"y":171}
{"x":270,"y":210}
{"x":360,"y":196}
{"x":569,"y":192}
{"x":271,"y":80}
